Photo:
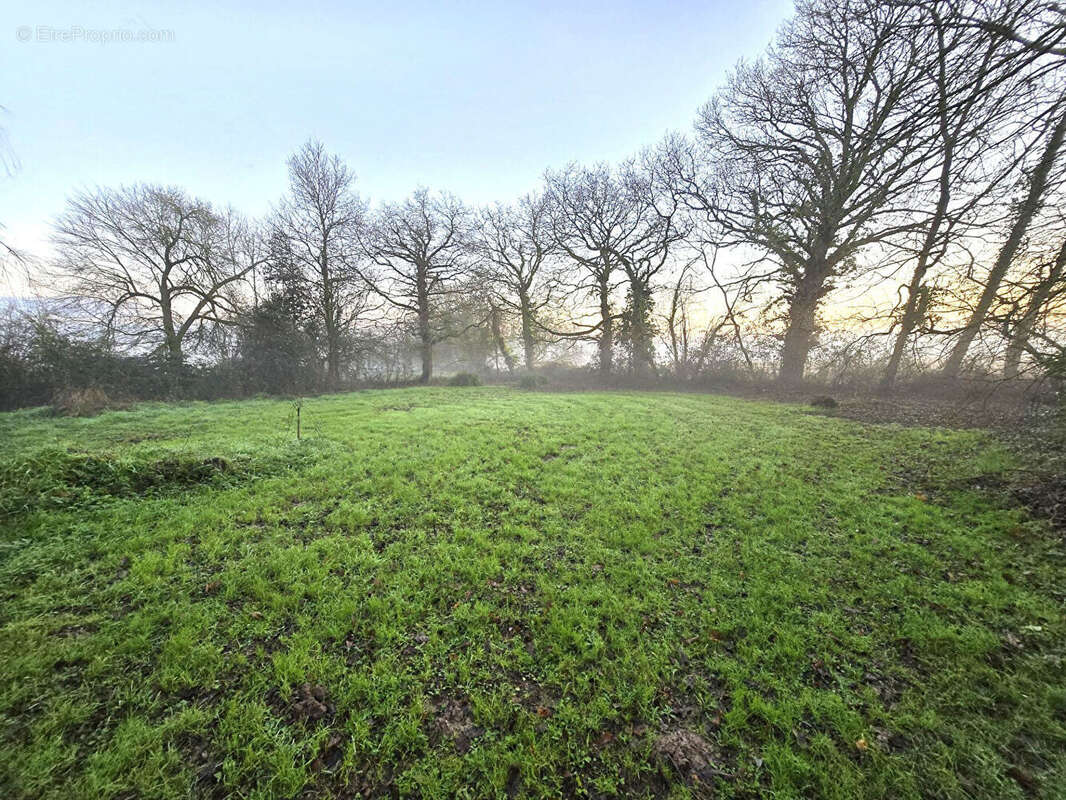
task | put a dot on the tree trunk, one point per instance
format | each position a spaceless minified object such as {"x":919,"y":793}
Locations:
{"x":913,"y":311}
{"x":528,"y":342}
{"x":1019,"y":337}
{"x":425,"y":333}
{"x":427,"y":361}
{"x":917,"y":294}
{"x":500,"y":342}
{"x":1028,"y":209}
{"x":171,"y":340}
{"x":802,"y":324}
{"x":639,"y":327}
{"x":606,"y":343}
{"x":425,"y":337}
{"x":333,"y":367}
{"x":678,"y":343}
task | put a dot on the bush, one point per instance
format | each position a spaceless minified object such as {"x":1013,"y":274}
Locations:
{"x":824,"y":401}
{"x":464,"y":379}
{"x":532,"y":381}
{"x":83,"y":402}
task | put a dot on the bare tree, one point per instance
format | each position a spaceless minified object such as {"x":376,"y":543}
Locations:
{"x":153,"y":265}
{"x":654,"y":225}
{"x":688,"y":344}
{"x":1046,"y":284}
{"x":586,"y":218}
{"x":1037,"y":181}
{"x":617,"y":228}
{"x":981,"y":90}
{"x":814,"y":154}
{"x":418,"y":251}
{"x":516,"y":244}
{"x":322,"y":219}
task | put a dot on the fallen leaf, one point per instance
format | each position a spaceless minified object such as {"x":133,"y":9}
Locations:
{"x":861,"y":744}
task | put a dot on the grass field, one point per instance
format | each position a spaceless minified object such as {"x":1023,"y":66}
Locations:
{"x":488,"y":592}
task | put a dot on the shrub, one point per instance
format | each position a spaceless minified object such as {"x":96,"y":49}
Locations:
{"x":83,"y":402}
{"x":464,"y":379}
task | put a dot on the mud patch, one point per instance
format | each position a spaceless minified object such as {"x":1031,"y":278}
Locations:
{"x":204,"y":763}
{"x":330,"y":756}
{"x":689,"y":754}
{"x":310,"y":703}
{"x":73,"y":631}
{"x":453,"y":721}
{"x":1044,"y":494}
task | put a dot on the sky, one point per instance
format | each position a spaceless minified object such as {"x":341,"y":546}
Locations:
{"x":474,"y":98}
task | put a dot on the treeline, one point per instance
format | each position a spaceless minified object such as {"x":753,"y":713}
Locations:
{"x":879,"y":196}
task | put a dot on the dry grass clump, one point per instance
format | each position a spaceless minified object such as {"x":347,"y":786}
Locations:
{"x":85,"y":402}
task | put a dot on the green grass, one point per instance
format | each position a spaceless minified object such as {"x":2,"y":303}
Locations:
{"x":506,"y":593}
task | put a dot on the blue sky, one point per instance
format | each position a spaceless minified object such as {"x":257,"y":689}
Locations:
{"x":476,"y":98}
